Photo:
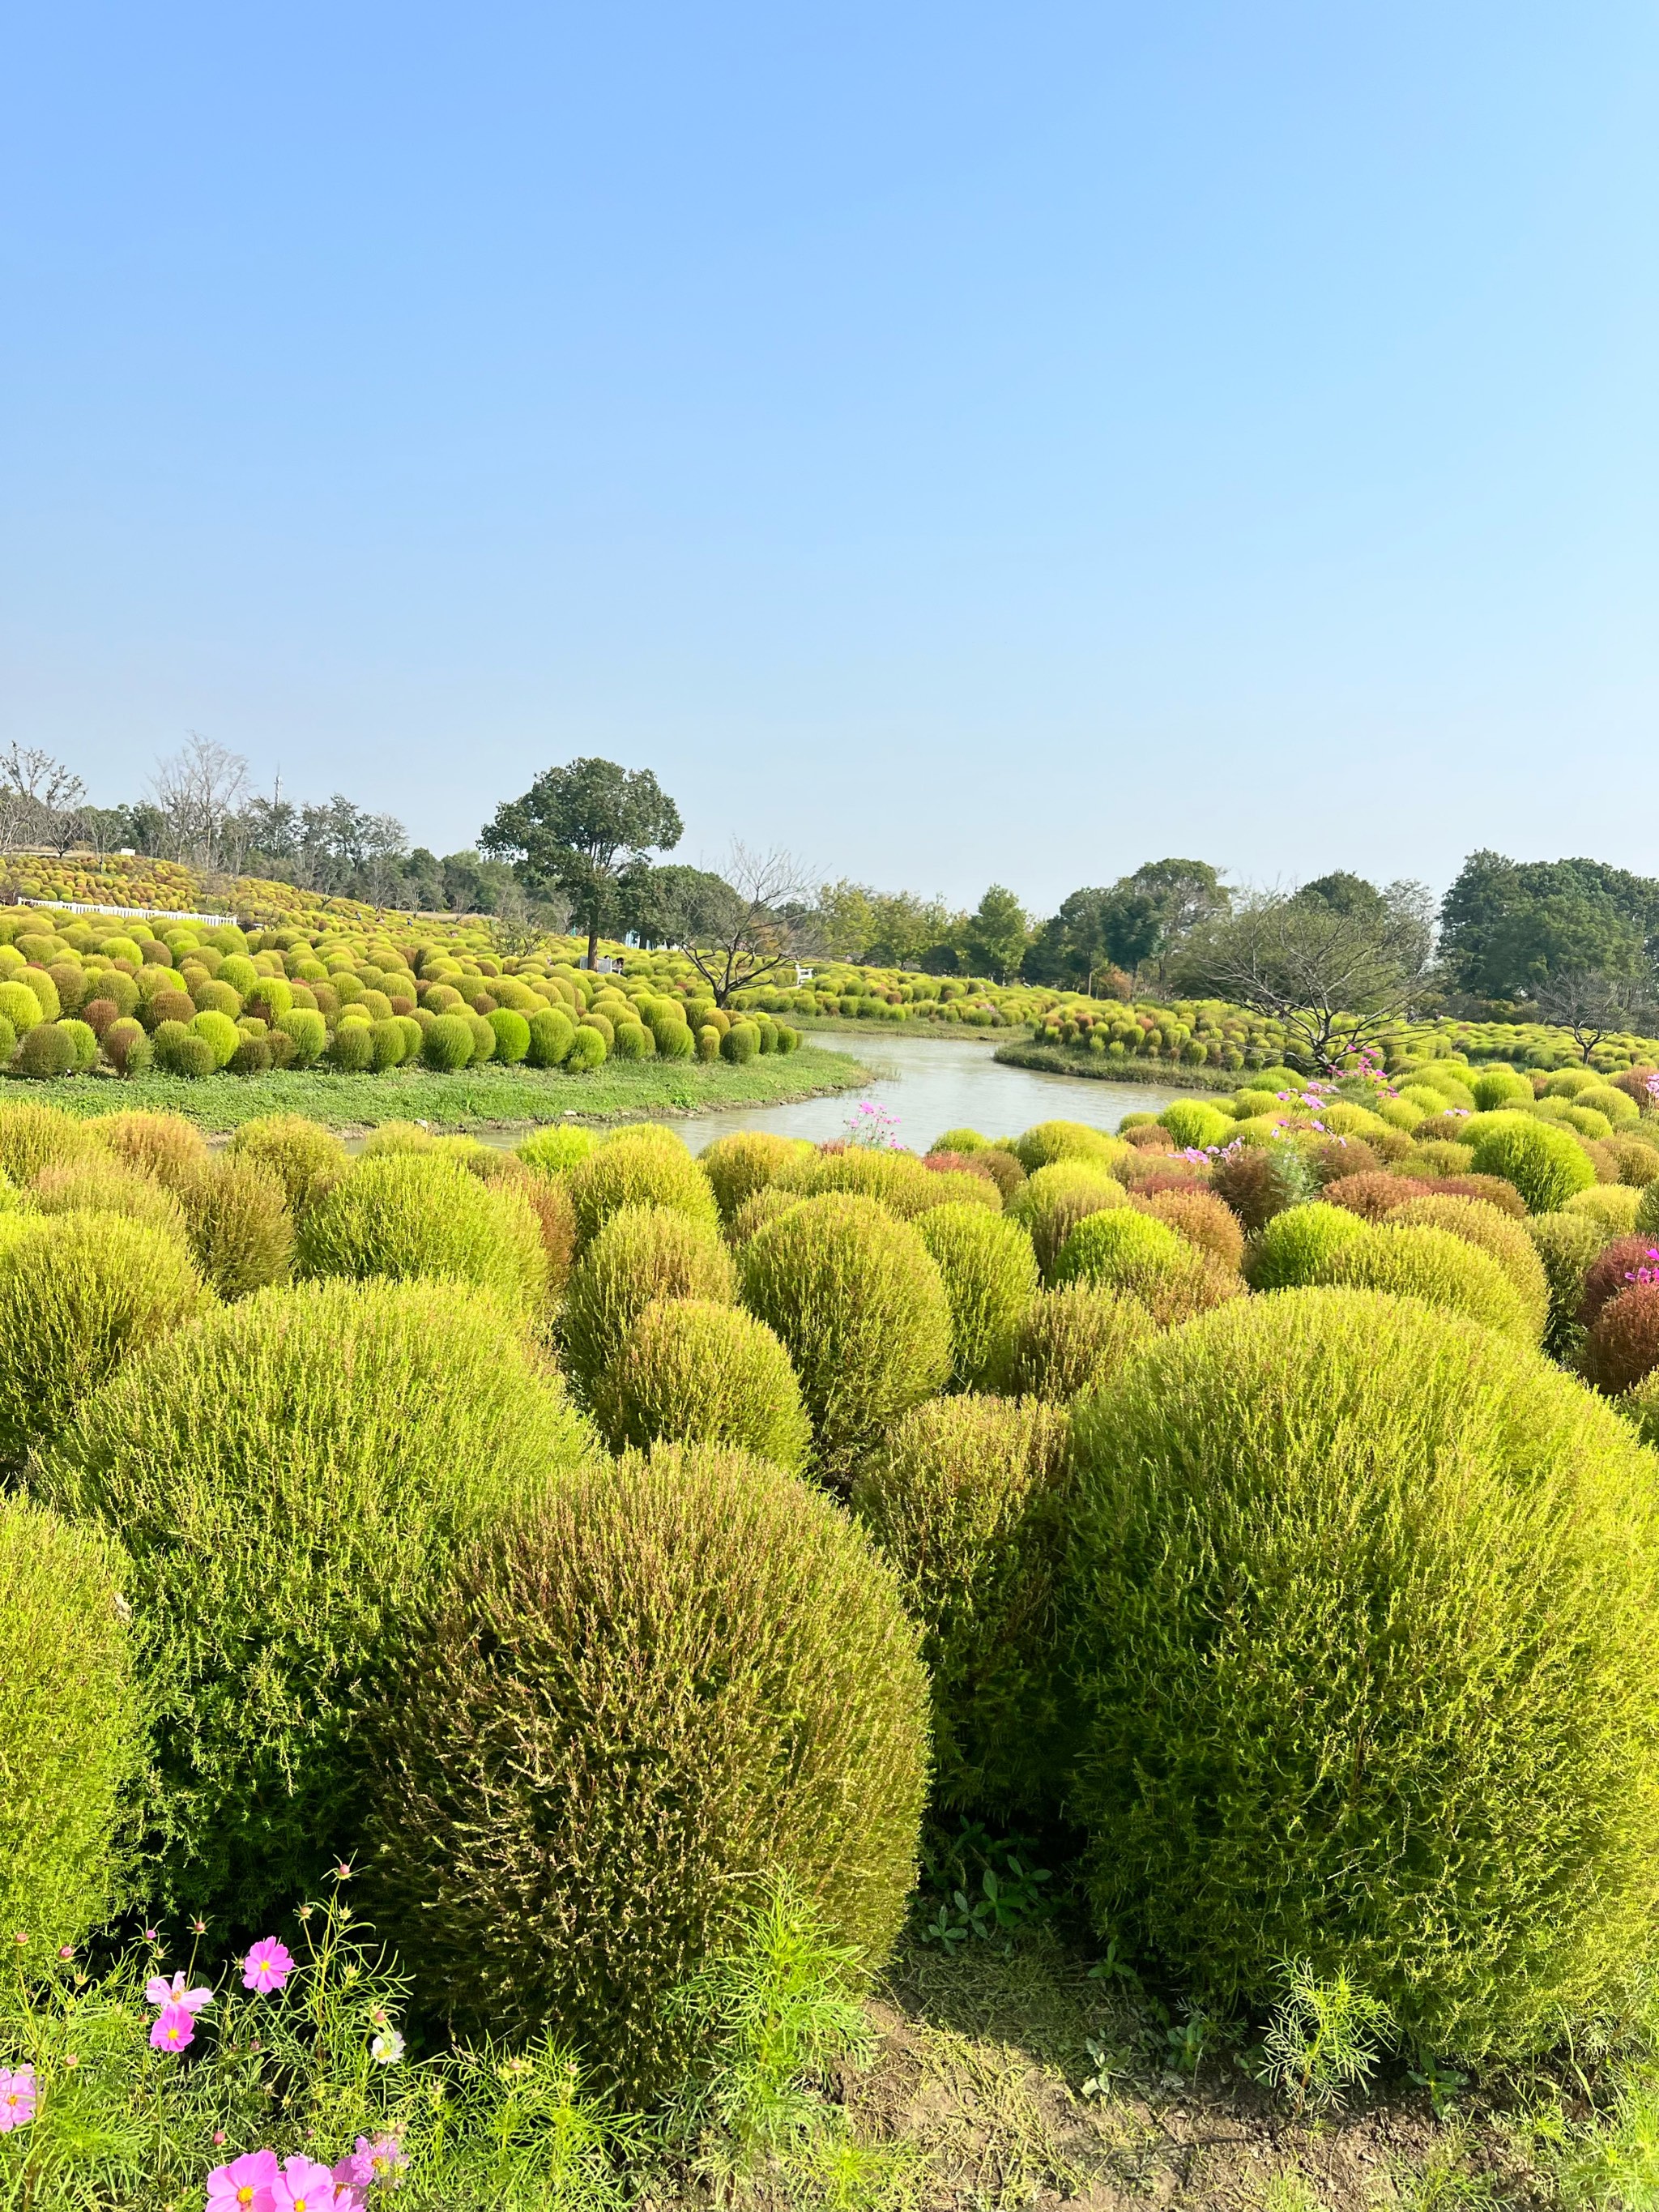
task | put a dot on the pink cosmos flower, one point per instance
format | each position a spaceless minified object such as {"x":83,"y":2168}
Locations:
{"x":174,"y":2029}
{"x":18,"y":2093}
{"x":244,"y":2185}
{"x":159,"y":1991}
{"x":381,"y":2159}
{"x":267,"y":1965}
{"x":304,"y":2186}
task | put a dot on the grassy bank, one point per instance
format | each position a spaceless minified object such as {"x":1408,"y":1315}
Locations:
{"x":474,"y":1098}
{"x":1059,"y":1060}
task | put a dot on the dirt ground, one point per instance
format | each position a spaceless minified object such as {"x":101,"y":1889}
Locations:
{"x":1018,"y":2079}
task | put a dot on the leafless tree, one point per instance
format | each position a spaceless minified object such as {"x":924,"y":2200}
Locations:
{"x":733,"y":927}
{"x":40,"y":799}
{"x":200,"y":790}
{"x":1592,"y":1004}
{"x":1336,"y":977}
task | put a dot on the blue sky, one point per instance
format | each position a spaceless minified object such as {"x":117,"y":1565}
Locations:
{"x":953,"y":442}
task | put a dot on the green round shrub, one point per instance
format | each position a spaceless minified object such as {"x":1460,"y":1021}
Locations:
{"x":19,"y":1008}
{"x":47,"y":1051}
{"x":240,"y":1226}
{"x":695,"y":1371}
{"x":708,"y":1042}
{"x":387,"y":1045}
{"x":352,"y":1047}
{"x":767,"y":1204}
{"x":1546,"y":1164}
{"x":856,"y":1300}
{"x":447,"y":1045}
{"x":306,"y":1031}
{"x":1105,"y":1248}
{"x":1194,"y":1124}
{"x":1050,"y":1141}
{"x":631,"y":1040}
{"x":1502,"y":1240}
{"x":990,"y":1276}
{"x":675,"y":1041}
{"x":1566,"y":1244}
{"x":34,"y":1136}
{"x":1442,"y":1270}
{"x":740,"y":1043}
{"x":1500,"y":1086}
{"x":71,"y":1726}
{"x":566,"y":1824}
{"x":550,"y":1151}
{"x":969,"y":1498}
{"x":221,"y":1035}
{"x":79,"y":1294}
{"x":644,"y":1166}
{"x":739,"y":1165}
{"x":407,"y":1214}
{"x":84,"y":1042}
{"x":290,"y":1475}
{"x":1355,"y":1585}
{"x":1071,"y":1341}
{"x":588,"y":1049}
{"x":1647,"y":1211}
{"x":304,"y":1158}
{"x":1051,"y":1202}
{"x":179,"y":1051}
{"x":511,"y":1036}
{"x":1294,"y":1247}
{"x":95,"y":1185}
{"x":642,"y":1252}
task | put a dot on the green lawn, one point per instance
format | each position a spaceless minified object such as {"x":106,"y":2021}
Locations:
{"x":474,"y":1098}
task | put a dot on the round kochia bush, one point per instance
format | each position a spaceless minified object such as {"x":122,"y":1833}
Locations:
{"x":566,"y":1823}
{"x":1546,"y":1164}
{"x":1293,"y":1249}
{"x":305,"y":1160}
{"x":642,"y":1254}
{"x":638,"y":1167}
{"x":856,"y":1300}
{"x":990,"y":1276}
{"x":739,"y":1165}
{"x":412,"y":1214}
{"x":1051,"y":1202}
{"x":1366,"y":1605}
{"x":968,"y":1497}
{"x":1441,"y":1269}
{"x":1069,"y":1342}
{"x":288,"y":1474}
{"x":71,"y":1735}
{"x":79,"y":1294}
{"x":697,"y":1371}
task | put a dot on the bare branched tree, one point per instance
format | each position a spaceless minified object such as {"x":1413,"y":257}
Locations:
{"x":200,"y":790}
{"x":39,"y":800}
{"x":1592,"y":1004}
{"x":1337,"y":976}
{"x":735,"y":927}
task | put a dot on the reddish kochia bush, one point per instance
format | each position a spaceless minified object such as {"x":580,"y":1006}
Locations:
{"x":1371,"y":1196}
{"x":1339,"y":1157}
{"x":1611,"y":1273}
{"x":1634,"y":1081}
{"x":1150,"y":1137}
{"x":1257,"y":1181}
{"x":1622,"y":1346}
{"x":1202,"y":1218}
{"x":1492,"y":1188}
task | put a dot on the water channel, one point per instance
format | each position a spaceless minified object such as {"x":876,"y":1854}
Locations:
{"x":932,"y":1084}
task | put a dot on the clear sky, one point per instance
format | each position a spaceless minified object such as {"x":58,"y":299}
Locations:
{"x":953,"y":441}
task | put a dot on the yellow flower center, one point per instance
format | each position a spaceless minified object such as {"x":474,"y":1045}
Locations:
{"x":245,"y":2194}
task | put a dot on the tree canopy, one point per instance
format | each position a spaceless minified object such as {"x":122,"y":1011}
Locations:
{"x":1508,"y":928}
{"x":580,"y":829}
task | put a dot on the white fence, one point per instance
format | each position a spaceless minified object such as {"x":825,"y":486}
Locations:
{"x":133,"y":913}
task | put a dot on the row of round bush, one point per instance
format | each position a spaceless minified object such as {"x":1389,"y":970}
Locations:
{"x":1222,"y":1490}
{"x":194,"y":1000}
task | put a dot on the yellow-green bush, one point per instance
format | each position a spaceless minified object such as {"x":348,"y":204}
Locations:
{"x":1334,"y":1472}
{"x":95,"y":1185}
{"x":79,"y":1294}
{"x":739,"y":1165}
{"x":1546,"y":1164}
{"x":1500,"y":1238}
{"x":990,"y":1275}
{"x":642,"y":1254}
{"x":163,"y":1145}
{"x":240,"y":1226}
{"x":1050,"y":1141}
{"x":1441,"y":1269}
{"x":407,"y":1214}
{"x":71,"y":1726}
{"x":566,"y":1824}
{"x":694,"y":1371}
{"x":1293,"y":1249}
{"x":646,"y":1166}
{"x":968,"y":1498}
{"x":1051,"y":1202}
{"x":290,"y":1474}
{"x":1566,"y":1244}
{"x":306,"y":1160}
{"x":856,"y":1300}
{"x":34,"y":1137}
{"x":897,"y":1180}
{"x":1068,"y":1342}
{"x":767,"y":1204}
{"x":554,"y":1150}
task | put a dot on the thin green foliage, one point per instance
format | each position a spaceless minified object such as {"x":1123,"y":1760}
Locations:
{"x":1324,"y":2039}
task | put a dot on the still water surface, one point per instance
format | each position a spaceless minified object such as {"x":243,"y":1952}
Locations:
{"x":935,"y":1084}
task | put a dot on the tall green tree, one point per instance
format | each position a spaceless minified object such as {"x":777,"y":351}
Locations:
{"x":997,"y":933}
{"x":580,"y":829}
{"x":1508,"y":928}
